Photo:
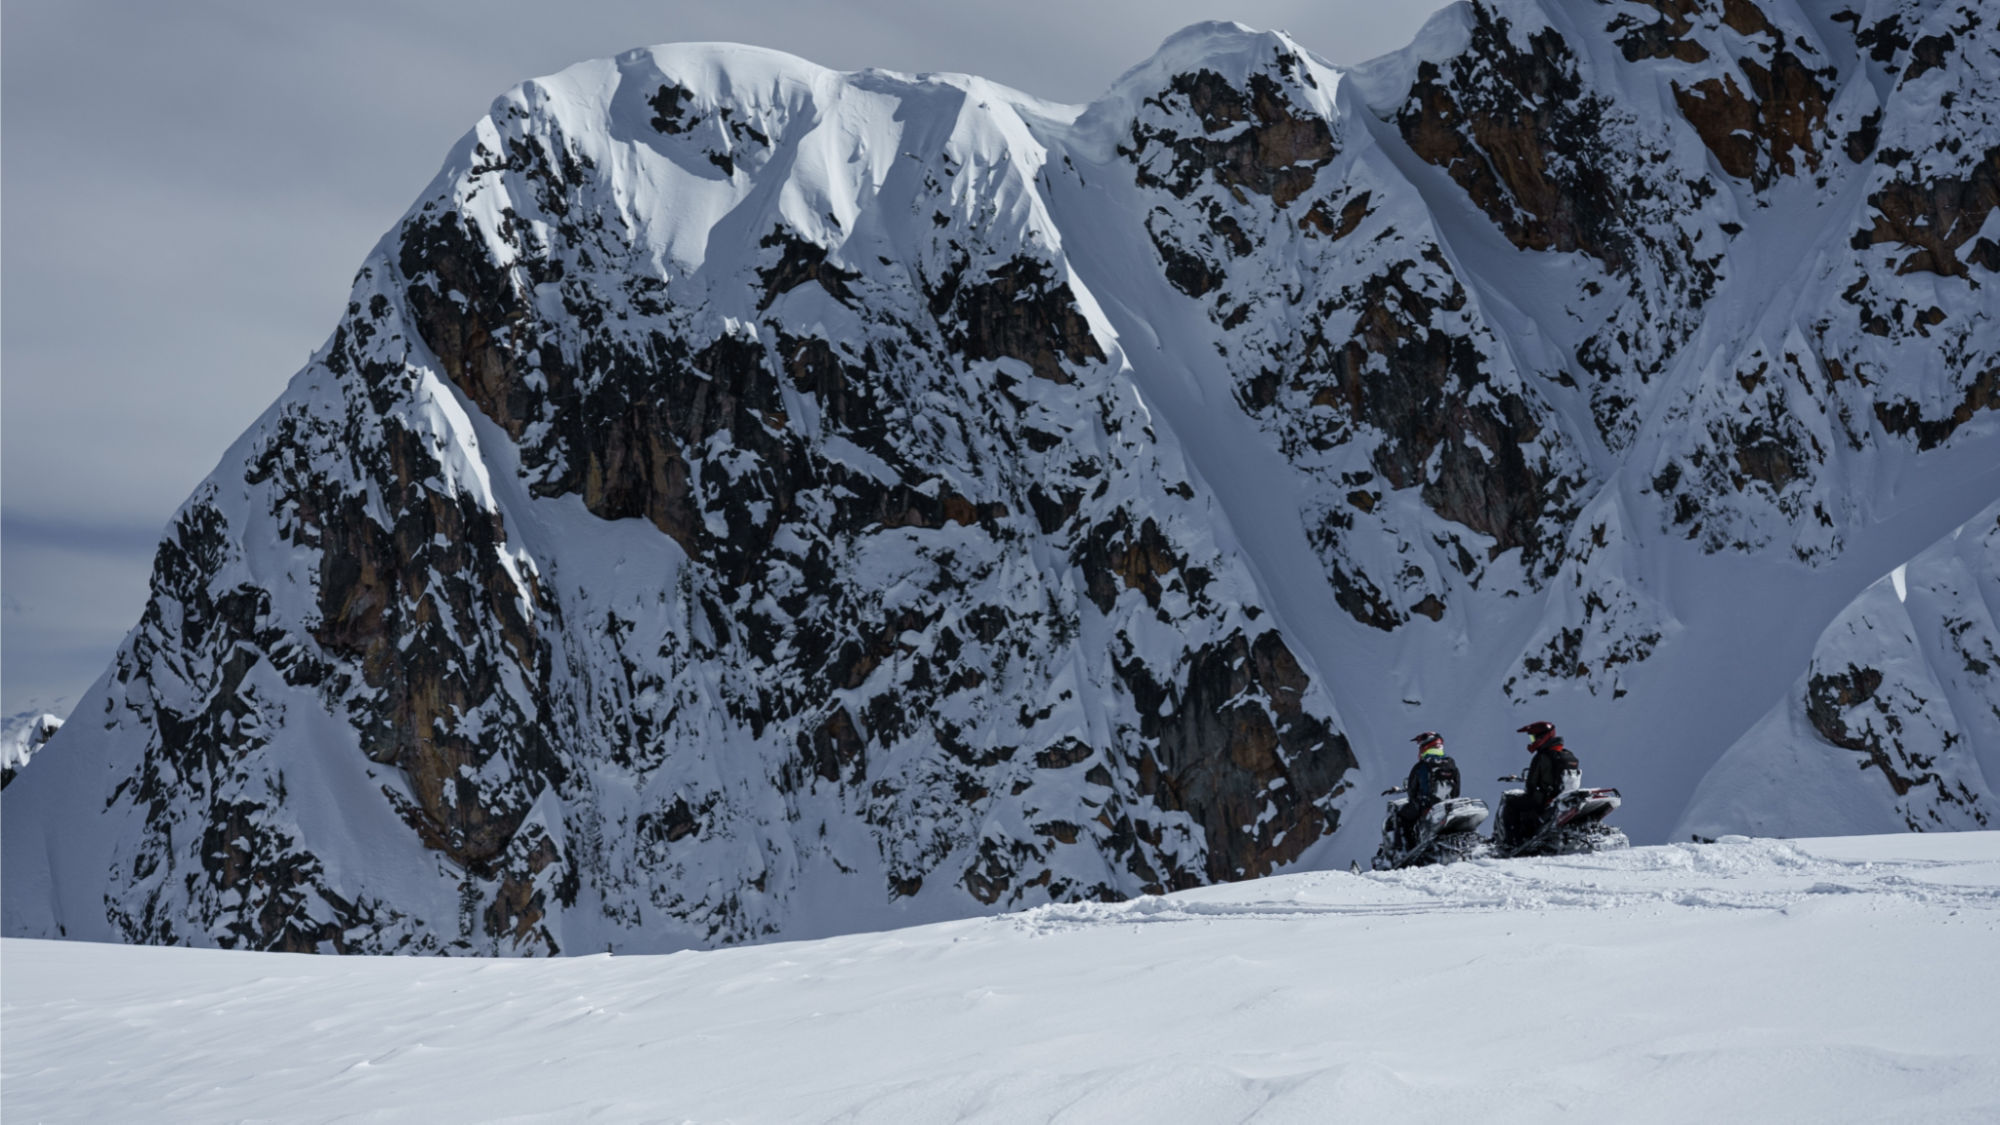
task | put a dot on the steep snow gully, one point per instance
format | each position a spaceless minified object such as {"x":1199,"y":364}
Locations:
{"x":746,"y":501}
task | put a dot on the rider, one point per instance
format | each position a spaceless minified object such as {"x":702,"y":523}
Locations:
{"x":1434,"y":771}
{"x":1551,"y":762}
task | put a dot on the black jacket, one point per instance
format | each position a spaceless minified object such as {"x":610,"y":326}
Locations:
{"x":1427,"y":775}
{"x":1545,"y":773}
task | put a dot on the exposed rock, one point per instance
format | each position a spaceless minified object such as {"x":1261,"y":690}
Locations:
{"x":1018,"y":310}
{"x":1470,"y":460}
{"x":1664,"y":38}
{"x":1271,"y":148}
{"x":1905,"y":417}
{"x":402,"y":604}
{"x":800,"y":262}
{"x":1935,"y":218}
{"x":1252,"y":798}
{"x":1770,"y":126}
{"x":668,"y":114}
{"x":1495,"y":122}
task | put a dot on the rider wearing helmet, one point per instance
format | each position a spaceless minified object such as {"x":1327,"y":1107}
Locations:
{"x":1432,"y":779}
{"x":1551,"y":762}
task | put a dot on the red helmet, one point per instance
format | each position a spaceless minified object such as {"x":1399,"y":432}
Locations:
{"x":1428,"y":739}
{"x":1539,"y":733}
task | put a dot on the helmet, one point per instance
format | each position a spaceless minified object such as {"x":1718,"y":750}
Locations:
{"x":1539,"y":734}
{"x":1429,"y":742}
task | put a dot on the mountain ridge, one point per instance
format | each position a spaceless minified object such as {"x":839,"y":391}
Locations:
{"x":746,"y":500}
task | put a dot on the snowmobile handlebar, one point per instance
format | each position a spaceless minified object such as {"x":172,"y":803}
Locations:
{"x":1510,"y":777}
{"x":1392,"y":791}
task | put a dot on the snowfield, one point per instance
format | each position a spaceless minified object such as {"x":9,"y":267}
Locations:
{"x":1848,"y":979}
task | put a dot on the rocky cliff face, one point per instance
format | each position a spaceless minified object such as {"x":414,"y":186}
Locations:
{"x":745,"y":500}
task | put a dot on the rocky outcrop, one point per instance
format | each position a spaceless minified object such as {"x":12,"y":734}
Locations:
{"x":1559,"y":166}
{"x":21,"y":738}
{"x":1662,"y":34}
{"x":1510,"y":126}
{"x":1935,"y":219}
{"x":1238,"y":743}
{"x":1255,"y":138}
{"x":1933,"y":189}
{"x":1773,"y":122}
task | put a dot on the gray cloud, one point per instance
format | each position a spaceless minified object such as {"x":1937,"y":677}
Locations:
{"x":102,"y":538}
{"x":73,"y":589}
{"x":190,"y":185}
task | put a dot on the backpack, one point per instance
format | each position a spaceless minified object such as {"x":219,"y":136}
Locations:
{"x":1551,"y":773}
{"x":1572,"y":773}
{"x":1444,"y":779}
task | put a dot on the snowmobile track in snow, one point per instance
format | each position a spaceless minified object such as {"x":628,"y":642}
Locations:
{"x":1749,"y":980}
{"x":1624,"y":879}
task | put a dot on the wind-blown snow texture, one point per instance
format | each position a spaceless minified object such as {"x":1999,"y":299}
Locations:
{"x":748,"y":500}
{"x":1815,"y":981}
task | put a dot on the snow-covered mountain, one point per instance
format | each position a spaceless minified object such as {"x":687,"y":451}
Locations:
{"x":22,"y":735}
{"x":744,"y":499}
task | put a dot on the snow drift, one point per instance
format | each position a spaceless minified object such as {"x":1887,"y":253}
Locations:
{"x":1745,"y":979}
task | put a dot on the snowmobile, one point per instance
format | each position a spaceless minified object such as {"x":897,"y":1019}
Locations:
{"x":1446,"y":833}
{"x":1572,"y":824}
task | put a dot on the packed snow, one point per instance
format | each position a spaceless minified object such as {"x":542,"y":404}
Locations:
{"x":1847,"y":979}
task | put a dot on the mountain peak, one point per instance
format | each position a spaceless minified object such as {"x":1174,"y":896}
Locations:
{"x":1223,"y":47}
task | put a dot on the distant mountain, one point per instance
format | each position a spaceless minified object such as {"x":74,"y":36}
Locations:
{"x":748,"y":500}
{"x":21,"y":736}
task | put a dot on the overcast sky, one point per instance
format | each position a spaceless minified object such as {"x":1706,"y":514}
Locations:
{"x":189,"y":186}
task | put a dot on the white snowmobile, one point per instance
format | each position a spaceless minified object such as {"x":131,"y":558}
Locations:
{"x":1572,"y":824}
{"x":1446,"y":833}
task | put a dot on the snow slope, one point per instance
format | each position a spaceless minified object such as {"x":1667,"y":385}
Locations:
{"x":1823,"y":980}
{"x":744,"y":500}
{"x":1906,"y":683}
